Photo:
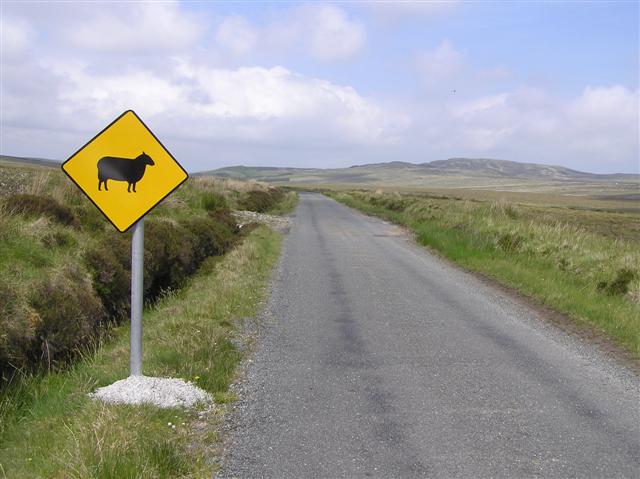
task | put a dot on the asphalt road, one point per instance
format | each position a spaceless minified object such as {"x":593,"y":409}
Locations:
{"x":377,"y":359}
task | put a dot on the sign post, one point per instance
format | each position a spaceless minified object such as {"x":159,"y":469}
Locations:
{"x":137,"y":297}
{"x":125,"y":171}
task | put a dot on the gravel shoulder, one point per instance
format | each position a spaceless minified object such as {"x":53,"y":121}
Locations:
{"x":278,"y":223}
{"x":375,"y":358}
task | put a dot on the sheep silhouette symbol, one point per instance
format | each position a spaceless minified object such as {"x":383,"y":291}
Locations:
{"x":130,"y":170}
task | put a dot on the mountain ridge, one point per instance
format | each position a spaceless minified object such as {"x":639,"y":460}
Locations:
{"x":399,"y":171}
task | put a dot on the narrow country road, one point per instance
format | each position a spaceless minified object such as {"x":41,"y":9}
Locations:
{"x":378,"y":359}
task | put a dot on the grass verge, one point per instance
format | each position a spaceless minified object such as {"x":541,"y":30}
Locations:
{"x":286,"y":205}
{"x":50,"y":428}
{"x":573,"y":266}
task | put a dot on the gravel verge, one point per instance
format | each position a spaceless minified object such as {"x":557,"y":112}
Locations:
{"x":278,"y":223}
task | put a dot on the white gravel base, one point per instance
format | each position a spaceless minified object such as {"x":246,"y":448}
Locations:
{"x":161,"y":392}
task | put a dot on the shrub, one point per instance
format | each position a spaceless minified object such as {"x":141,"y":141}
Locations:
{"x":260,"y":201}
{"x":620,"y":284}
{"x":564,"y":264}
{"x":32,"y":205}
{"x":89,"y":217}
{"x":393,"y":203}
{"x":58,"y":238}
{"x":214,"y":202}
{"x":509,"y":242}
{"x":70,"y":314}
{"x":172,"y":252}
{"x":168,"y":256}
{"x":210,"y":237}
{"x":225,"y":218}
{"x":110,"y":264}
{"x":168,"y":259}
{"x":17,"y":331}
{"x":397,"y":204}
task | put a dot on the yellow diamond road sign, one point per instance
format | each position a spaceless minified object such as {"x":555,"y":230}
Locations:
{"x":125,"y":170}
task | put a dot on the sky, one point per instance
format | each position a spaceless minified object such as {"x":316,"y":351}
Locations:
{"x":328,"y":84}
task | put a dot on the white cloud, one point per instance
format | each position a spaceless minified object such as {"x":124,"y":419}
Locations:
{"x":602,"y":106}
{"x":494,"y":73}
{"x":596,"y":131}
{"x":274,"y":104}
{"x":237,"y":35}
{"x":103,"y":96}
{"x":16,"y":36}
{"x":135,"y":27}
{"x":605,"y":120}
{"x":440,"y":63}
{"x":325,"y":32}
{"x":194,"y":101}
{"x":330,"y":33}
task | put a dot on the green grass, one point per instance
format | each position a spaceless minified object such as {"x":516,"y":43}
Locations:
{"x":574,"y":263}
{"x":50,"y":428}
{"x":286,"y":205}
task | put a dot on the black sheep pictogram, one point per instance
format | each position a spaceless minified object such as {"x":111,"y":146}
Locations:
{"x":130,"y":170}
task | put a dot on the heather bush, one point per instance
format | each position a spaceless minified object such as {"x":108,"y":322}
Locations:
{"x":110,"y":264}
{"x":393,"y":203}
{"x":173,"y":251}
{"x":17,"y":331}
{"x":619,"y":285}
{"x":260,"y":201}
{"x":69,"y":315}
{"x":32,"y":205}
{"x":89,"y":218}
{"x":210,"y":237}
{"x":168,"y":257}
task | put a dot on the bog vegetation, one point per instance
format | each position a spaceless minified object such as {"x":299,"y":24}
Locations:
{"x":582,"y":262}
{"x":64,"y":271}
{"x":64,"y":298}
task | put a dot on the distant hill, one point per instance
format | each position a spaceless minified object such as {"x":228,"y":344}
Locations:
{"x":450,"y":172}
{"x":31,"y":161}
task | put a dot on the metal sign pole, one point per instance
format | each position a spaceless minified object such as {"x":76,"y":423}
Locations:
{"x":137,"y":296}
